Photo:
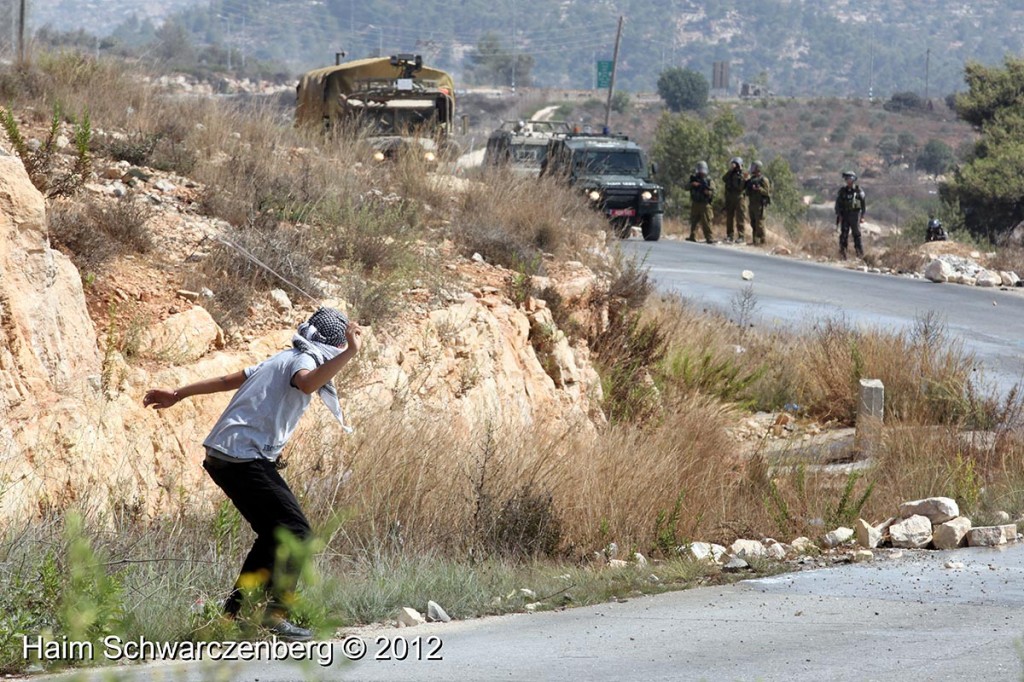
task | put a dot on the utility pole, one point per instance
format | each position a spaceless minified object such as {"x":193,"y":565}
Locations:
{"x":515,"y":50}
{"x":21,"y":34}
{"x":611,"y":84}
{"x":927,"y":69}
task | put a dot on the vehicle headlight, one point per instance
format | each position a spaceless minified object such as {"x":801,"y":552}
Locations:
{"x":429,"y":156}
{"x":646,"y":196}
{"x":378,"y":156}
{"x":594,"y":195}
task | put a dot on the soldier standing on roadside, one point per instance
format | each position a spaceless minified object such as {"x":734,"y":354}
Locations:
{"x":759,"y":195}
{"x":850,"y":209}
{"x":702,"y":191}
{"x":734,"y":182}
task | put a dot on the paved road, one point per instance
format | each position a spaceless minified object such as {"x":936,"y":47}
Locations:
{"x":908,"y":620}
{"x":791,"y":291}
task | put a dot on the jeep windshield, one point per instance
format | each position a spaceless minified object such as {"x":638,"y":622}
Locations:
{"x":527,"y":154}
{"x":610,"y":162}
{"x":398,"y":118}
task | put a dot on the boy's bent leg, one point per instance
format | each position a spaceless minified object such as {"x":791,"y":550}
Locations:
{"x":265,"y":501}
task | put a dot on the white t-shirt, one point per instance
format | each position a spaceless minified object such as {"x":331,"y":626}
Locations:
{"x":264,"y":411}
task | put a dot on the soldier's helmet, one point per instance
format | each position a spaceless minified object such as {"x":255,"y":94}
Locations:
{"x":701,"y":167}
{"x":737,"y":160}
{"x":756,"y":166}
{"x":849,"y":174}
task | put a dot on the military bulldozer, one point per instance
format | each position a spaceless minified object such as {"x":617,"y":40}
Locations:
{"x":398,"y":103}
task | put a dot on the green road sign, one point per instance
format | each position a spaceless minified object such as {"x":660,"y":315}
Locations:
{"x":604,"y":74}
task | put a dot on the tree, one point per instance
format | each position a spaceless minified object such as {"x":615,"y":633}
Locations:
{"x":787,"y":204}
{"x":173,"y":44}
{"x":683,"y":89}
{"x":620,"y":102}
{"x":491,"y":63}
{"x":904,"y":101}
{"x":681,"y":140}
{"x":936,"y":157}
{"x":989,"y":188}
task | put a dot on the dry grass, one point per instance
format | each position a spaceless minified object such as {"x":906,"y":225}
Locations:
{"x":818,"y":240}
{"x":96,"y":231}
{"x":512,"y":220}
{"x":1008,"y":258}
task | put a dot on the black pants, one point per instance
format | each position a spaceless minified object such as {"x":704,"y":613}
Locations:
{"x":265,"y":501}
{"x":850,"y":222}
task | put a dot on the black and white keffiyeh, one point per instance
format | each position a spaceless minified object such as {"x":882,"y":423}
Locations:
{"x":321,"y":337}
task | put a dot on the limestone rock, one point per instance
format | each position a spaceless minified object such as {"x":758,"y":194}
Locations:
{"x":936,"y":509}
{"x":863,"y":555}
{"x":986,"y":536}
{"x":184,"y":337}
{"x":436,"y":614}
{"x":1009,"y":532}
{"x":803,"y":545}
{"x":1009,"y":279}
{"x":987,"y":278}
{"x":705,"y":551}
{"x":747,"y":275}
{"x":1001,"y":517}
{"x":408,"y":617}
{"x":735,"y":564}
{"x":776,"y":551}
{"x":280,"y":300}
{"x":836,"y":537}
{"x":951,"y":534}
{"x":913,"y":533}
{"x":868,"y":536}
{"x":49,"y":341}
{"x":938,"y":271}
{"x":746,"y":549}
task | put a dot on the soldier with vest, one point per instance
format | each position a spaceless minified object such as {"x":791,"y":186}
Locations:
{"x":850,"y":209}
{"x":702,"y":191}
{"x":759,"y":194}
{"x":734,"y":182}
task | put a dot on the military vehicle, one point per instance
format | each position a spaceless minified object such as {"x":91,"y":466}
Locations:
{"x":521,"y":145}
{"x":613,"y":172}
{"x":397,"y":102}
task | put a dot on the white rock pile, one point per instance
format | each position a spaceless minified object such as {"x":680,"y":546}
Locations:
{"x":957,"y":270}
{"x":932,"y":523}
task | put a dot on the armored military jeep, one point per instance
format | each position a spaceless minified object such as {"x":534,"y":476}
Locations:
{"x":612,"y":171}
{"x":521,"y":145}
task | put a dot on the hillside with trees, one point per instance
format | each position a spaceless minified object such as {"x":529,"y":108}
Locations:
{"x":790,"y":47}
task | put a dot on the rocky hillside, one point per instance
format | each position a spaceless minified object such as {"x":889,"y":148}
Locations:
{"x":76,"y":358}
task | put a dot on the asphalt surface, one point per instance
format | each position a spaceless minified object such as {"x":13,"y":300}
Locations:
{"x":912,"y":619}
{"x":792,"y":292}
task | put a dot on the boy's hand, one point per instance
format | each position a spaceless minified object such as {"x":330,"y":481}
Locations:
{"x":355,"y":337}
{"x":160,"y":398}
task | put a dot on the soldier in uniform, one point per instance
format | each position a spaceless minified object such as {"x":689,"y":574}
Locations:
{"x":702,"y":191}
{"x":759,"y":194}
{"x":850,"y":209}
{"x":734,"y":182}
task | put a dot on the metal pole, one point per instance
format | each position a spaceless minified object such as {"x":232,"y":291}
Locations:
{"x":611,"y":83}
{"x":515,"y":54}
{"x":927,"y":68}
{"x":21,"y":34}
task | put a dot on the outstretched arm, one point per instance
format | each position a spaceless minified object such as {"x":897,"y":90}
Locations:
{"x":161,"y":398}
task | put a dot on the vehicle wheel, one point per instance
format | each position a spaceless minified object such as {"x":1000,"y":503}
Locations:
{"x":651,"y":227}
